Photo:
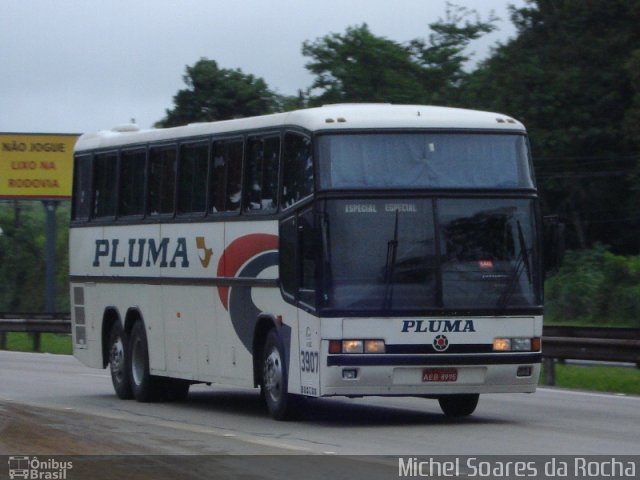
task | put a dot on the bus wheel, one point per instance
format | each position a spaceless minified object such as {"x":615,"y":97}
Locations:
{"x":274,"y":379}
{"x":118,"y":354}
{"x":459,"y":405}
{"x":145,"y":387}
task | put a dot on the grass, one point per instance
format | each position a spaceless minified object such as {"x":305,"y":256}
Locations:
{"x":612,"y":379}
{"x":49,"y":343}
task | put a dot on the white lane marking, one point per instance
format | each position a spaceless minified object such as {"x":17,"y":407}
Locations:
{"x":38,"y":354}
{"x":589,"y":394}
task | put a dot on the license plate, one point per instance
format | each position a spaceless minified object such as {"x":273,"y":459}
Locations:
{"x":440,"y":375}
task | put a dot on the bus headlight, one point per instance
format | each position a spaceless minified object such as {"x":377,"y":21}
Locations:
{"x":356,"y":346}
{"x":352,"y":346}
{"x":521,"y":344}
{"x":516,"y":344}
{"x":501,"y":344}
{"x":373,"y":346}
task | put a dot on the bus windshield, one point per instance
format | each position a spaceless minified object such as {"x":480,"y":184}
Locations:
{"x":411,"y":255}
{"x":424,"y":160}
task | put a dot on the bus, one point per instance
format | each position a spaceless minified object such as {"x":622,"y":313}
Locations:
{"x":346,"y":250}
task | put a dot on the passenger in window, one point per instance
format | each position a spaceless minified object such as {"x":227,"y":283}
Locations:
{"x":217,"y":189}
{"x":235,"y":196}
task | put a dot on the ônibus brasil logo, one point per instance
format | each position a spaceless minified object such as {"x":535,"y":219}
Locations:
{"x":35,"y":469}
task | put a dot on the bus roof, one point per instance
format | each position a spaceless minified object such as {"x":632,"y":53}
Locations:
{"x":330,"y":117}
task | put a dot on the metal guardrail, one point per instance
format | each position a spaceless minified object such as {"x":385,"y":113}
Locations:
{"x":588,"y":343}
{"x":33,"y":323}
{"x":35,"y":315}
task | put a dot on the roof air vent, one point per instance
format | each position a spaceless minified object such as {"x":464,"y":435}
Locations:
{"x":127,"y":127}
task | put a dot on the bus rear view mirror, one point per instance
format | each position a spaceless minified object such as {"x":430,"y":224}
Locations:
{"x":554,"y":242}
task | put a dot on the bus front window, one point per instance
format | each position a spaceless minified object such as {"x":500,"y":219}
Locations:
{"x":396,"y":256}
{"x":424,"y":160}
{"x":380,"y":255}
{"x":487,"y":254}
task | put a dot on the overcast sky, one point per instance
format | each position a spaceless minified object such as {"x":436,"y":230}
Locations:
{"x":72,"y":66}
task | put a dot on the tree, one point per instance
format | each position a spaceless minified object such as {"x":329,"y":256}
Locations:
{"x":358,"y":66}
{"x":568,"y":75}
{"x":22,"y":244}
{"x":444,"y":57}
{"x":215,"y":93}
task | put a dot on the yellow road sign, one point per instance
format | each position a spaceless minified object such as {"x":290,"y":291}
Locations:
{"x":36,"y":166}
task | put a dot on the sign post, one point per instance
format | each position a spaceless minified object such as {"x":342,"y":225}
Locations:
{"x":39,"y":167}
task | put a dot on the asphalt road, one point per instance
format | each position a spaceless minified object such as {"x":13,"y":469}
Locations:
{"x":53,"y":405}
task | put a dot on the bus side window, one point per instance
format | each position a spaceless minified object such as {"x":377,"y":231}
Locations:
{"x":131,"y":199}
{"x":82,"y":187}
{"x":226,"y":176}
{"x":261,"y":178}
{"x":192,"y":178}
{"x":217,"y":182}
{"x":104,"y":184}
{"x":308,"y":252}
{"x":297,"y":182}
{"x":298,"y":253}
{"x":288,"y":257}
{"x":162,"y":180}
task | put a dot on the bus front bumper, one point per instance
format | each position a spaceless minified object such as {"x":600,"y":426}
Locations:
{"x":418,"y":375}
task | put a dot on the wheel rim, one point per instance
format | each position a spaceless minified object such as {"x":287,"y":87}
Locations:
{"x":137,"y":361}
{"x":273,"y":376}
{"x":116,"y":360}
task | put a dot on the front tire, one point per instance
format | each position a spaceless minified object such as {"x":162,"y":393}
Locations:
{"x":459,"y":405}
{"x":118,"y":363}
{"x":280,"y":404}
{"x":145,"y":387}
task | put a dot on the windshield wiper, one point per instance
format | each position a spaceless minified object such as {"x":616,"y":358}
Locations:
{"x":522,"y":264}
{"x":390,"y":266}
{"x":326,"y":256}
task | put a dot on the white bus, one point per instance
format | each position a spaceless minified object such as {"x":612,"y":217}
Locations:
{"x":347,"y":250}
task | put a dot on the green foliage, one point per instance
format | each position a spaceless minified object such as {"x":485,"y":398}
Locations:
{"x":22,"y":263}
{"x":358,"y":66}
{"x":572,"y":76}
{"x":566,"y":73}
{"x":632,"y":114}
{"x":444,"y":56}
{"x":595,"y":287}
{"x":215,"y":93}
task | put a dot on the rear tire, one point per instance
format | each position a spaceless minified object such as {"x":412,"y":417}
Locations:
{"x":280,"y":403}
{"x":145,"y":387}
{"x":459,"y":405}
{"x":118,"y":363}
